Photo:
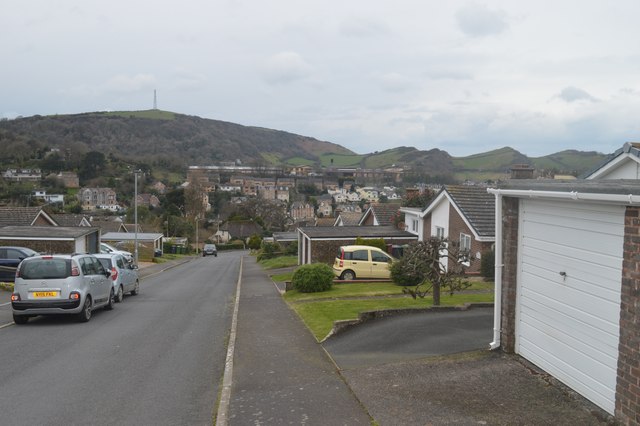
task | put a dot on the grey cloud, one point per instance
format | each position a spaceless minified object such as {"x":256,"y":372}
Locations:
{"x":449,"y":75}
{"x":359,"y":27}
{"x":285,"y":67}
{"x":394,"y":82}
{"x":573,"y":94}
{"x":479,"y":21}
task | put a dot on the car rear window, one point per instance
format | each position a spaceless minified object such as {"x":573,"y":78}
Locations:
{"x":45,"y":269}
{"x":106,"y":263}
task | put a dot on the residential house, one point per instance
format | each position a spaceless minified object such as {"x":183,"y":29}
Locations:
{"x":347,"y":218}
{"x":48,"y":198}
{"x":148,"y":243}
{"x":159,"y":187}
{"x":148,"y":200}
{"x":68,"y":219}
{"x":624,"y":163}
{"x":25,"y":216}
{"x":325,"y":221}
{"x":242,"y":229}
{"x":325,"y":205}
{"x":227,"y":187}
{"x":460,"y":213}
{"x":301,"y":210}
{"x":98,"y":198}
{"x":380,"y":214}
{"x":567,"y":283}
{"x":69,"y":179}
{"x":108,"y":224}
{"x":23,"y":175}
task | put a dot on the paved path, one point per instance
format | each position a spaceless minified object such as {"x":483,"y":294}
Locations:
{"x":281,"y":375}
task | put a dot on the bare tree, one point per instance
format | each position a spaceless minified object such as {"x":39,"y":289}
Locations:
{"x":432,"y":266}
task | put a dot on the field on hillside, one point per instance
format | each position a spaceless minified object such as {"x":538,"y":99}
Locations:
{"x":340,"y":160}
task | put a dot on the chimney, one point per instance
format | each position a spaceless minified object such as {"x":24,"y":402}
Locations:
{"x":522,"y":171}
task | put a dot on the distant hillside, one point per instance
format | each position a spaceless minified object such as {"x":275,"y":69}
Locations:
{"x":171,"y":141}
{"x":159,"y":137}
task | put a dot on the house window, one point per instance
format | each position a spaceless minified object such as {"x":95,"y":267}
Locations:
{"x":414,"y":225}
{"x":465,"y":246}
{"x":439,"y":232}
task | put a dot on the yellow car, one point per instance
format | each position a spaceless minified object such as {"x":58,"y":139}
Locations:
{"x":361,"y":262}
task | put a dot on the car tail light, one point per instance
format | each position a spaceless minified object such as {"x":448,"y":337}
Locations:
{"x":114,"y":273}
{"x":74,"y":295}
{"x":15,"y":297}
{"x":75,"y":272}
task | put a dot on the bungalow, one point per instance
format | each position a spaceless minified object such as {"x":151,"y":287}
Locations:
{"x":459,"y":213}
{"x":52,"y":239}
{"x":622,"y":164}
{"x":380,"y":214}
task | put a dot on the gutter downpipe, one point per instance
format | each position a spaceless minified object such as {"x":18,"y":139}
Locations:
{"x":497,"y":302}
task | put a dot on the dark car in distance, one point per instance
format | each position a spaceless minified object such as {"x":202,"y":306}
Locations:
{"x":209,"y":250}
{"x":10,"y":258}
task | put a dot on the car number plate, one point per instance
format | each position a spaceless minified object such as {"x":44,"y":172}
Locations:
{"x":41,"y":294}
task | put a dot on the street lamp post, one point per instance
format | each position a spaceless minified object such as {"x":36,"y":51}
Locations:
{"x":135,"y":215}
{"x":197,"y":246}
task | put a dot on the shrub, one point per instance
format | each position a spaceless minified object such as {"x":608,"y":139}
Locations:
{"x":269,"y":251}
{"x":291,"y":249}
{"x":487,"y":265}
{"x":373,"y":242}
{"x":254,"y":242}
{"x":313,"y":278}
{"x":403,"y":274}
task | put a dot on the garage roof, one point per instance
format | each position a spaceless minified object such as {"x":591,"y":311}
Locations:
{"x":342,"y":232}
{"x":46,"y":232}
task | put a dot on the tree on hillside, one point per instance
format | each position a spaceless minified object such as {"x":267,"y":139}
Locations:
{"x":420,"y":200}
{"x":432,"y":265}
{"x":92,"y":164}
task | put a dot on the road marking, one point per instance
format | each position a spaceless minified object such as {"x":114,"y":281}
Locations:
{"x":6,"y":325}
{"x":5,"y":304}
{"x":225,"y":395}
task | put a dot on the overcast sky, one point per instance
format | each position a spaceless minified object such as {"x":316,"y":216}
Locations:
{"x":463,"y":76}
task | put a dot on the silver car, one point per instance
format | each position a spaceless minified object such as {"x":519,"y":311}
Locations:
{"x":61,"y":284}
{"x":124,"y":275}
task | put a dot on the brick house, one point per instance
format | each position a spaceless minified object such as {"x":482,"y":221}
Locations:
{"x":460,"y":213}
{"x":568,"y":285}
{"x":301,"y":211}
{"x":52,"y":239}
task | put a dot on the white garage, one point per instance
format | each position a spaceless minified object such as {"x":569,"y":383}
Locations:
{"x":568,"y":285}
{"x":568,"y":296}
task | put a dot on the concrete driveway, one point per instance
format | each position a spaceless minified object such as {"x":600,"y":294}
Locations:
{"x":412,"y":336}
{"x":435,"y":369}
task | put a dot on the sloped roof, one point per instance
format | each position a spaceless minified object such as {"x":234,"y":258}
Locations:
{"x":46,"y":232}
{"x":70,"y":219}
{"x":22,"y":216}
{"x":349,"y":218}
{"x":325,"y":221}
{"x":383,"y":212}
{"x":476,"y":205}
{"x":629,"y":149}
{"x":350,"y":232}
{"x":109,"y":225}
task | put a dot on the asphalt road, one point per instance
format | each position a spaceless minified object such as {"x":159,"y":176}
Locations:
{"x":156,"y":359}
{"x":412,"y":336}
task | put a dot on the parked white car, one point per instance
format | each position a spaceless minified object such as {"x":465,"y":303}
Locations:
{"x":124,"y":274}
{"x":61,"y":284}
{"x":108,"y":249}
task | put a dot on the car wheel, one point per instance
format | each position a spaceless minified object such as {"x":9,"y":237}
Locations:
{"x":20,"y":319}
{"x":85,"y":313}
{"x":203,"y":254}
{"x":120,"y":295}
{"x":112,"y":300}
{"x":348,"y":275}
{"x":136,"y":288}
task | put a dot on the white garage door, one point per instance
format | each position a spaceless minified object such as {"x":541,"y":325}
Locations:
{"x":568,"y":311}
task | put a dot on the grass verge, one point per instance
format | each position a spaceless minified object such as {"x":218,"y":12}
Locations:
{"x":279,"y":262}
{"x":320,"y":310}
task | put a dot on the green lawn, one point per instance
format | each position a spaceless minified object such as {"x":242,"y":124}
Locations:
{"x":319,"y":316}
{"x":279,"y":262}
